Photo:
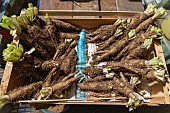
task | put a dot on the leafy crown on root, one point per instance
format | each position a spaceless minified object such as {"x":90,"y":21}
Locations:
{"x":150,"y":10}
{"x":4,"y":99}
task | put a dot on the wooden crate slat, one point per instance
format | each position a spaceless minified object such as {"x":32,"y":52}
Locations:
{"x":90,"y":5}
{"x":126,"y":5}
{"x":108,"y":5}
{"x":44,"y":5}
{"x":56,"y":5}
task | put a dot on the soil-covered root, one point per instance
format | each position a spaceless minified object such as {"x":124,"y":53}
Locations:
{"x":68,"y":35}
{"x":113,"y":50}
{"x":47,"y":45}
{"x":139,"y":52}
{"x":104,"y":28}
{"x":152,"y":69}
{"x":92,"y":71}
{"x":68,"y":65}
{"x":73,"y":43}
{"x":30,"y":42}
{"x":155,"y":62}
{"x":106,"y":44}
{"x":122,"y":67}
{"x":107,"y":32}
{"x":38,"y":33}
{"x":138,"y":18}
{"x":142,"y":38}
{"x":122,"y":87}
{"x":157,"y":74}
{"x":97,"y":86}
{"x":66,"y":62}
{"x":139,"y":39}
{"x":63,"y":85}
{"x":104,"y":77}
{"x":19,"y":93}
{"x":135,"y":100}
{"x":60,"y":50}
{"x":64,"y":50}
{"x":99,"y":30}
{"x":49,"y":64}
{"x":145,"y":24}
{"x":51,"y":28}
{"x":66,"y":27}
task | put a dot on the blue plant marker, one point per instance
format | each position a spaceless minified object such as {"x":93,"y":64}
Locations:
{"x":81,"y":62}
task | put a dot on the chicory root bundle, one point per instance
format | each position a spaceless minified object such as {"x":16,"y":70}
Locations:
{"x":19,"y":93}
{"x":139,"y":52}
{"x":64,"y":51}
{"x":51,"y":28}
{"x":138,"y":18}
{"x":115,"y":84}
{"x":145,"y":24}
{"x":151,"y":20}
{"x":125,"y":40}
{"x":119,"y":45}
{"x":45,"y":92}
{"x":152,"y":69}
{"x":139,"y":39}
{"x":123,"y":49}
{"x":139,"y":63}
{"x":113,"y":38}
{"x":106,"y":33}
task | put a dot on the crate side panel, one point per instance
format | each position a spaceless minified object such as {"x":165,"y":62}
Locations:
{"x":89,"y":24}
{"x":17,"y":79}
{"x":159,"y":53}
{"x":6,"y":77}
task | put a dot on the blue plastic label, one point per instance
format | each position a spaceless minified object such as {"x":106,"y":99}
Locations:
{"x":81,"y":62}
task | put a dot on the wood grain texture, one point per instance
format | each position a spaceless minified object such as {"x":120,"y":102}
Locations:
{"x":108,"y":5}
{"x":44,"y":5}
{"x":86,"y":5}
{"x":55,"y":5}
{"x":126,"y":5}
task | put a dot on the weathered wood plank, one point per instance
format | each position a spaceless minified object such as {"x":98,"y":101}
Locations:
{"x":92,"y":5}
{"x":88,"y":13}
{"x":44,"y":5}
{"x":108,"y":5}
{"x":56,"y":5}
{"x":126,"y":5}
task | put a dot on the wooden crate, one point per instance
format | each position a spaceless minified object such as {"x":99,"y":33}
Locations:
{"x":159,"y":93}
